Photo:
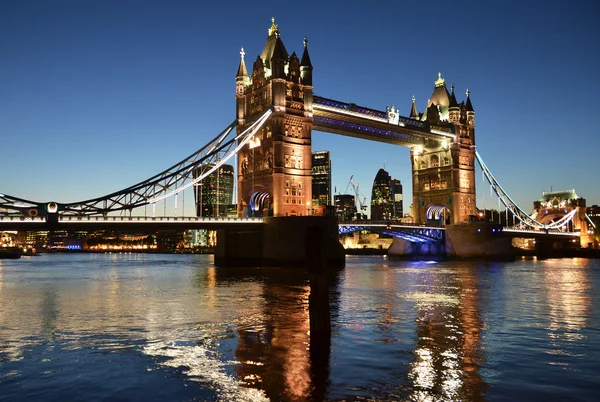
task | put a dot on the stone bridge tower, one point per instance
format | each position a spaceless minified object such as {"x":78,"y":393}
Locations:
{"x":444,"y":172}
{"x":274,"y":169}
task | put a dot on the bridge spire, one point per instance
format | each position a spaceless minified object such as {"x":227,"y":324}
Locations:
{"x":468,"y":103}
{"x":414,"y":114}
{"x":305,"y":65}
{"x":274,"y":28}
{"x":453,"y":102}
{"x":242,"y":71}
{"x":440,"y":81}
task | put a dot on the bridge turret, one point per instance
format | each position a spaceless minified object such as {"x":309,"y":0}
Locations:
{"x":470,"y":111}
{"x":306,"y":66}
{"x":274,"y":170}
{"x":279,"y":58}
{"x":242,"y":81}
{"x":453,"y":108}
{"x":444,"y":171}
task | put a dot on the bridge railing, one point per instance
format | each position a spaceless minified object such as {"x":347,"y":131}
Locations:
{"x":143,"y":219}
{"x":389,"y":223}
{"x":37,"y":219}
{"x":541,"y":232}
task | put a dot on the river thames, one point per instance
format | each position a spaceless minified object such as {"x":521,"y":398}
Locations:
{"x":150,"y":327}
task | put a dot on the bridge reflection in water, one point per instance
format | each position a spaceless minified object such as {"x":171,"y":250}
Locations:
{"x":400,"y":330}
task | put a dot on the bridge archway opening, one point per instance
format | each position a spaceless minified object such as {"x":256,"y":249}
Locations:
{"x":260,"y":203}
{"x":438,"y":215}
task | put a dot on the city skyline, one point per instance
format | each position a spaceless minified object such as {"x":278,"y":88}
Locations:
{"x":98,"y":97}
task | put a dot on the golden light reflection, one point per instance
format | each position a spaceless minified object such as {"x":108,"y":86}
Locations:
{"x":274,"y":354}
{"x":449,"y":333}
{"x":569,"y":301}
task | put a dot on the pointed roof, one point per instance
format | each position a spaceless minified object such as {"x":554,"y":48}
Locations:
{"x":440,"y":97}
{"x":279,"y":51}
{"x":453,"y":102}
{"x":274,"y":46}
{"x":413,"y":110}
{"x":469,"y":105}
{"x":242,"y":71}
{"x":305,"y":57}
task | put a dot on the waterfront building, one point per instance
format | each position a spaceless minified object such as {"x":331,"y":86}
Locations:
{"x":321,"y":178}
{"x":214,"y":194}
{"x":345,"y":207}
{"x":553,"y":205}
{"x":593,"y":212}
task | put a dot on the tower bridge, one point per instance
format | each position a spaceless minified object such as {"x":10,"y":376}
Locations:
{"x":271,"y":136}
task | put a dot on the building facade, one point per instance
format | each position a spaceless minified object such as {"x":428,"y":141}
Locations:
{"x":321,"y":178}
{"x":345,"y":207}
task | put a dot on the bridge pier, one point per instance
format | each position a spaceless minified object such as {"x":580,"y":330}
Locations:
{"x":280,"y":242}
{"x":401,"y":248}
{"x":478,"y":240}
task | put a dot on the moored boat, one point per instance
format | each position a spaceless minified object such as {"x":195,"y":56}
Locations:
{"x":10,"y":252}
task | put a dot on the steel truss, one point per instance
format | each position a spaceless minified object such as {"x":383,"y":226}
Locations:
{"x":415,"y":234}
{"x":168,"y":183}
{"x":515,"y":209}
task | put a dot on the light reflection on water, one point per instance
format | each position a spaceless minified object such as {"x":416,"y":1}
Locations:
{"x":157,"y":327}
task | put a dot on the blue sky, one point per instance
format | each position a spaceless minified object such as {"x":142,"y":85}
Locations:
{"x":98,"y":95}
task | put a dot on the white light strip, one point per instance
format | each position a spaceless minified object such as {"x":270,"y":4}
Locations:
{"x":253,"y":128}
{"x":562,"y":221}
{"x":541,"y":232}
{"x":179,"y":220}
{"x":453,"y":136}
{"x":379,"y":119}
{"x":590,"y":221}
{"x":349,"y":113}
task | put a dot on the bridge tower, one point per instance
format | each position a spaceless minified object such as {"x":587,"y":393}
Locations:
{"x":444,"y":171}
{"x":274,"y":169}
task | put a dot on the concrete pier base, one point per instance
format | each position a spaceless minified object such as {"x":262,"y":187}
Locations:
{"x":280,"y":241}
{"x":401,"y":248}
{"x":478,"y":240}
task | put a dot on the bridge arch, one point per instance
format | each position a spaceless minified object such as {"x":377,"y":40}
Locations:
{"x":260,"y":200}
{"x":437,"y":213}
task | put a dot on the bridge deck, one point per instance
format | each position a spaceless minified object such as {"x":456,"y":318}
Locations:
{"x":375,"y":125}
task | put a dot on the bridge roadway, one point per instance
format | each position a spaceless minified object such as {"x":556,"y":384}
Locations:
{"x":133,"y":223}
{"x":411,"y":232}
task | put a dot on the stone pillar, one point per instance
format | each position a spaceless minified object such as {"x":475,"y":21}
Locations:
{"x":280,"y":242}
{"x":478,"y":240}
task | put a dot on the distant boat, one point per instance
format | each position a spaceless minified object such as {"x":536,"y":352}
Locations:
{"x":10,"y":252}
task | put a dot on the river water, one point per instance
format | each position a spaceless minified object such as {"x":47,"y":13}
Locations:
{"x":149,"y":327}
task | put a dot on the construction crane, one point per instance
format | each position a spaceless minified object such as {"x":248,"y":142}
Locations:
{"x":361,"y":204}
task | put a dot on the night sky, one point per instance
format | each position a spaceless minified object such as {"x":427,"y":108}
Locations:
{"x":98,"y":95}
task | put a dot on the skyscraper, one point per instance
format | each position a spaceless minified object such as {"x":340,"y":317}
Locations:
{"x":381,"y":197}
{"x":386,"y":197}
{"x":397,"y":198}
{"x":214,"y":194}
{"x":321,"y":178}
